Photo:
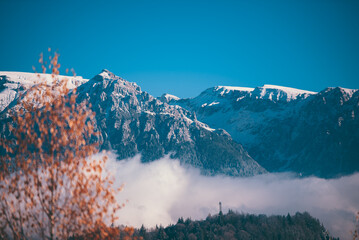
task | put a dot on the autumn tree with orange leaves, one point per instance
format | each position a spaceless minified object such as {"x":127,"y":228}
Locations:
{"x":50,"y":187}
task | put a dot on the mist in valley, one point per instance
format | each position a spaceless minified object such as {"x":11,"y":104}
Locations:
{"x":159,"y":192}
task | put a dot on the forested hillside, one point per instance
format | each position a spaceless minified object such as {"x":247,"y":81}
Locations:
{"x":240,"y":226}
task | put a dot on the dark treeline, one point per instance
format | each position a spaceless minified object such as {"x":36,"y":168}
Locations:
{"x":240,"y":226}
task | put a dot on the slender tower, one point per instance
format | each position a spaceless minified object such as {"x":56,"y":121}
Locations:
{"x":220,"y":207}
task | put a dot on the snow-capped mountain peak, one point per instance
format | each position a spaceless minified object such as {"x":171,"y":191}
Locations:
{"x":107,"y":75}
{"x":110,"y":83}
{"x":13,"y":82}
{"x":279,"y":93}
{"x":26,"y":79}
{"x":227,"y":89}
{"x":168,"y":97}
{"x":132,"y":121}
{"x":222,"y":98}
{"x":232,"y":88}
{"x":345,"y":91}
{"x":349,"y":91}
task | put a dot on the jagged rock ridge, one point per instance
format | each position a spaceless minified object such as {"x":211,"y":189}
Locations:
{"x":132,"y":121}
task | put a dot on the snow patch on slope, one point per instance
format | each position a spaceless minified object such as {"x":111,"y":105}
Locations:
{"x":279,"y":93}
{"x":227,"y":89}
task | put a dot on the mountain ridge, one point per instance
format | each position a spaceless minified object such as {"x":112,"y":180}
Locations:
{"x":310,"y":133}
{"x":131,"y":121}
{"x":284,"y":129}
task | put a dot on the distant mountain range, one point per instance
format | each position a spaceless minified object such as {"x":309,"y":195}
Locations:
{"x":286,"y":129}
{"x":283,"y":129}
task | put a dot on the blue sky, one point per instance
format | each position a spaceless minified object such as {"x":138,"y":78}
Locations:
{"x":184,"y":47}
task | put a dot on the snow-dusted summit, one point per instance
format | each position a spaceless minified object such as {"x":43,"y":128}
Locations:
{"x":267,"y":92}
{"x":11,"y":83}
{"x":168,"y":97}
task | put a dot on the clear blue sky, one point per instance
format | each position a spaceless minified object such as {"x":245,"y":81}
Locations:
{"x":183,"y":47}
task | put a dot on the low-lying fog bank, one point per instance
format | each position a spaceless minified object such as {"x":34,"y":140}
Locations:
{"x":162,"y":191}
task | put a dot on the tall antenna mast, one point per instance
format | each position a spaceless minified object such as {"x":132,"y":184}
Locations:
{"x":220,"y":207}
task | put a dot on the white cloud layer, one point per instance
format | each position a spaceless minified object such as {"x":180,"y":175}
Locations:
{"x":162,"y":191}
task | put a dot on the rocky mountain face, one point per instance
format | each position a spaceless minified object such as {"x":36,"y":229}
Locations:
{"x":287,"y":129}
{"x":131,"y":121}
